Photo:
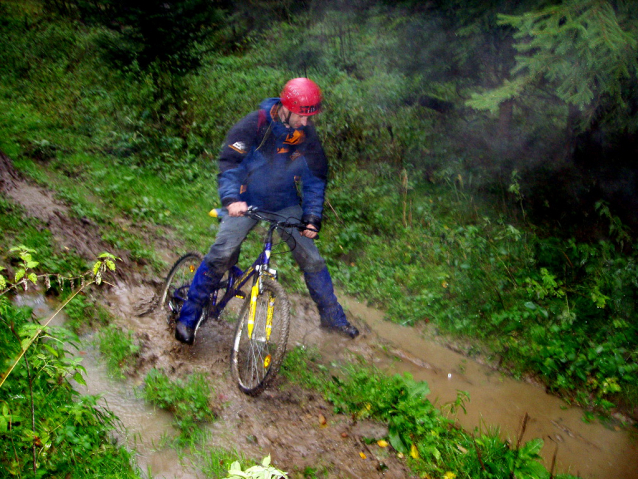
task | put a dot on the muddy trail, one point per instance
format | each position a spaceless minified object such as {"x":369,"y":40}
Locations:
{"x":297,"y":427}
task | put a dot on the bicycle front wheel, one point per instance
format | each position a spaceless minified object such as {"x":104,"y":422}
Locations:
{"x":175,"y":290}
{"x":260,"y":338}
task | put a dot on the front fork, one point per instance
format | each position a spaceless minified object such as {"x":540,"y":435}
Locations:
{"x":255,"y":291}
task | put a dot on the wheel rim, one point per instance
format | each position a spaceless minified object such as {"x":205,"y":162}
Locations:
{"x":257,"y":358}
{"x":176,"y":289}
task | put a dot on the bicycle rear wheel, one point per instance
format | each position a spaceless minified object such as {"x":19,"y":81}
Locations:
{"x":175,"y":290}
{"x":259,"y":350}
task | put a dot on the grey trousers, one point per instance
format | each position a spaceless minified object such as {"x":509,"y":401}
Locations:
{"x":224,"y":253}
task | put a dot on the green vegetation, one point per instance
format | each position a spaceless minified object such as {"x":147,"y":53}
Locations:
{"x":119,"y":348}
{"x":85,"y":313}
{"x":215,"y":462}
{"x":47,"y":429}
{"x":188,"y":400}
{"x":563,"y":310}
{"x":416,"y":429}
{"x":420,"y":215}
{"x":17,"y":228}
{"x":485,"y":194}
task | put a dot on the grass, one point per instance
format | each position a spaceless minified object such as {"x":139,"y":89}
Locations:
{"x":430,"y":442}
{"x":119,"y":348}
{"x":17,"y":228}
{"x":84,"y":313}
{"x":187,"y":399}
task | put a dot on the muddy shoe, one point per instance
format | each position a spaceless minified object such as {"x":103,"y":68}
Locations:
{"x":346,"y":329}
{"x":184,"y":334}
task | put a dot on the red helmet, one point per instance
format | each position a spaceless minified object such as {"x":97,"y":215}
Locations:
{"x":301,"y":96}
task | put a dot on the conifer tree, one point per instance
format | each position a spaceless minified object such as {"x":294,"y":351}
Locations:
{"x":585,"y":52}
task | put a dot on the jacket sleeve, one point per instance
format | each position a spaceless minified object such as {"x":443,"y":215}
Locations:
{"x":314,"y":178}
{"x":237,"y":144}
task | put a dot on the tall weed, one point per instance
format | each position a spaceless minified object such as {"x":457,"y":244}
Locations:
{"x":46,"y":428}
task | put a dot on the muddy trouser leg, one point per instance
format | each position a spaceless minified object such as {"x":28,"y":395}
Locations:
{"x":317,"y":277}
{"x":221,"y":256}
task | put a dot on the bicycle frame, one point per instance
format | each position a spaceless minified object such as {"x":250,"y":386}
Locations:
{"x":263,"y":323}
{"x":238,"y":278}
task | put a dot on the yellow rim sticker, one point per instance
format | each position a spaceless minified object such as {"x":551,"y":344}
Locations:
{"x":269,"y":313}
{"x":253,"y":308}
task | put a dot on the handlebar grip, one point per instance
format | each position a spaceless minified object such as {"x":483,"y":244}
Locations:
{"x":218,"y":212}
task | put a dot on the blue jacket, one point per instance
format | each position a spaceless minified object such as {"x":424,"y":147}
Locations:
{"x":273,"y":167}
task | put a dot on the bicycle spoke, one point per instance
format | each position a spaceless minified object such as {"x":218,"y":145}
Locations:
{"x":177,"y":283}
{"x":259,"y":350}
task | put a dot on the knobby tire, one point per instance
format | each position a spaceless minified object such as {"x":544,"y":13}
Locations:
{"x":178,"y":280}
{"x":249,"y":356}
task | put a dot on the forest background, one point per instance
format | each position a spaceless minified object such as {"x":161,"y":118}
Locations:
{"x":483,"y":154}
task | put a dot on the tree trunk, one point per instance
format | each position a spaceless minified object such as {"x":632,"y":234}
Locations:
{"x":505,"y":114}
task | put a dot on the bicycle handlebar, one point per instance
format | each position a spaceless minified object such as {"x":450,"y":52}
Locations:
{"x":255,"y":213}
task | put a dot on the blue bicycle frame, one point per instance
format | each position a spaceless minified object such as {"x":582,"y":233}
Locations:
{"x":238,"y":278}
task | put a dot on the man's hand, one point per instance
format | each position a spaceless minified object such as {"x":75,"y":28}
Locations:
{"x":308,"y":233}
{"x":237,"y":208}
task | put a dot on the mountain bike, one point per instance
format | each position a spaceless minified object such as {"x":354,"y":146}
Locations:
{"x":261,"y":334}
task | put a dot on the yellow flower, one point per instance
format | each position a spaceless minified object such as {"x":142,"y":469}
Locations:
{"x":363,"y":456}
{"x":449,"y":475}
{"x":414,"y":452}
{"x":382,"y":443}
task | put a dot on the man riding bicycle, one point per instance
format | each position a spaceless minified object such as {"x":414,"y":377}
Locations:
{"x":274,"y":160}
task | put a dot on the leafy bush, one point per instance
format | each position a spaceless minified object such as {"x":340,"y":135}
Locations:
{"x":46,"y":428}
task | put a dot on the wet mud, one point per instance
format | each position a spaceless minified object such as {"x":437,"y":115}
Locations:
{"x":589,"y":450}
{"x":296,"y":427}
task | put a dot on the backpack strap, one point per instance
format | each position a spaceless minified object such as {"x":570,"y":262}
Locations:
{"x":261,"y":123}
{"x":261,"y":120}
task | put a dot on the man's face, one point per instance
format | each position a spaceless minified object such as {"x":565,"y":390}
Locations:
{"x":294,"y":120}
{"x":297,"y":121}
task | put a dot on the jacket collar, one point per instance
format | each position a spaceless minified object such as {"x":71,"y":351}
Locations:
{"x":271,"y":105}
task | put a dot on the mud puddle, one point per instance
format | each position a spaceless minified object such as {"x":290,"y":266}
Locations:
{"x":587,"y":450}
{"x":144,"y":427}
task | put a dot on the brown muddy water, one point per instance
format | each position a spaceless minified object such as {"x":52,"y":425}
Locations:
{"x":144,"y":427}
{"x":589,"y":450}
